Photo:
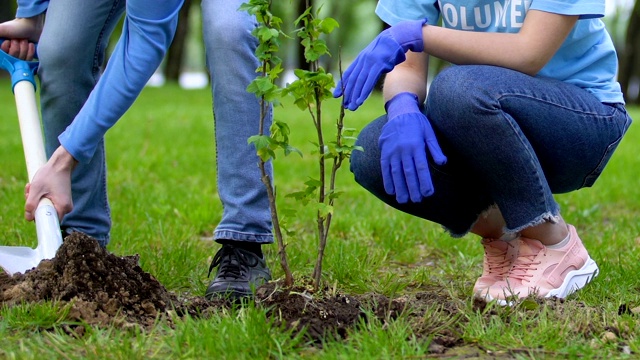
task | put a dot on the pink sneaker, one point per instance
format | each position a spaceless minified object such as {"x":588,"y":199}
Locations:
{"x":546,"y":272}
{"x":498,"y":258}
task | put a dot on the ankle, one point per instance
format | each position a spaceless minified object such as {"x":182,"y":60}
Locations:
{"x":556,"y":236}
{"x":562,"y":243}
{"x":548,"y":234}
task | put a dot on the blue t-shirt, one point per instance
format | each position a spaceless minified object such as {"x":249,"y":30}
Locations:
{"x":149,"y":27}
{"x":587,"y":58}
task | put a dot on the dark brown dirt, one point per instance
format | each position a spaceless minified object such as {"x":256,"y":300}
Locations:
{"x":99,"y":287}
{"x":102,"y":289}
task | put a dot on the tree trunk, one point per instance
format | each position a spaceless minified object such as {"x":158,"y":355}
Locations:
{"x":629,"y":73}
{"x":175,"y":55}
{"x":300,"y":62}
{"x":7,"y":10}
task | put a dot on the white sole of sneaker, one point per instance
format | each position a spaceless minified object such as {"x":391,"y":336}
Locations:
{"x":576,"y":280}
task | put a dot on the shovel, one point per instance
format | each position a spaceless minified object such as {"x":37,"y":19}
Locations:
{"x":14,"y":259}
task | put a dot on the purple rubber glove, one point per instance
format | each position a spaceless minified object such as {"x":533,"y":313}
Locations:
{"x":385,"y":52}
{"x":403,"y":144}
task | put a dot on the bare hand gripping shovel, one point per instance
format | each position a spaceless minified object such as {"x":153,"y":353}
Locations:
{"x":21,"y":258}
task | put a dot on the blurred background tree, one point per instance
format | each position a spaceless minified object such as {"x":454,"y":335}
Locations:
{"x":628,"y":48}
{"x":176,"y":53}
{"x":358,"y":26}
{"x":7,"y":10}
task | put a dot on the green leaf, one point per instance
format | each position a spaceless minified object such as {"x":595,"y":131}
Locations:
{"x":266,"y":154}
{"x":298,"y":195}
{"x":334,"y":195}
{"x":264,"y":84}
{"x":259,"y":141}
{"x":303,"y":16}
{"x":327,"y":25}
{"x":324,"y":209}
{"x":290,"y":149}
{"x":265,"y":34}
{"x":311,"y":182}
{"x":289,"y":212}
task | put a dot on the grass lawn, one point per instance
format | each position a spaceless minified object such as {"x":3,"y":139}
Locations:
{"x":161,"y":163}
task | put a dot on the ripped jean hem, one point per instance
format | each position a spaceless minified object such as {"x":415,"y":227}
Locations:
{"x":542,"y":218}
{"x":509,"y":232}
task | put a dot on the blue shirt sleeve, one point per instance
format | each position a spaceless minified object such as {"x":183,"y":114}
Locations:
{"x":31,"y":8}
{"x":393,"y":11}
{"x":587,"y":9}
{"x":147,"y":33}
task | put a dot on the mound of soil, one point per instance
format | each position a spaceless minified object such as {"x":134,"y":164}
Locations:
{"x":100,"y":288}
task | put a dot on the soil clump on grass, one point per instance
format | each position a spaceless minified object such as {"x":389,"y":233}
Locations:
{"x":98,"y":288}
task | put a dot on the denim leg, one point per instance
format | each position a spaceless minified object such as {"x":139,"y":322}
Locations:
{"x":526,"y":138}
{"x":511,"y":140}
{"x":232,"y":64}
{"x":71,"y":53}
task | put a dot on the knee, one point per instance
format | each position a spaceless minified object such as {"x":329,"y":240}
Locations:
{"x":453,"y":86}
{"x":456,"y":94}
{"x":60,"y":55}
{"x":227,"y":29}
{"x":451,"y":81}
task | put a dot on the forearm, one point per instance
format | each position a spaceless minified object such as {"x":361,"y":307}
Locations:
{"x":527,"y":51}
{"x":409,"y":76}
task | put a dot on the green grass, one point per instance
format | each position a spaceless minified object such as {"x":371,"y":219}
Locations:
{"x":161,"y":182}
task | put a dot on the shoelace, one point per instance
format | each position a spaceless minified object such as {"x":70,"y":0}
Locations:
{"x":498,"y":262}
{"x":238,"y":263}
{"x":522,"y":266}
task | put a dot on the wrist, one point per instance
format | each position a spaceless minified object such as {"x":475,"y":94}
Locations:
{"x":402,"y":103}
{"x":409,"y":34}
{"x":62,"y":160}
{"x":36,"y":21}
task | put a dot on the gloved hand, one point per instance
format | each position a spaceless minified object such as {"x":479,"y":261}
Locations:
{"x":385,"y":52}
{"x":403,"y":144}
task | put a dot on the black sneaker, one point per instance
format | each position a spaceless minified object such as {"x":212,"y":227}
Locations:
{"x":239,"y":273}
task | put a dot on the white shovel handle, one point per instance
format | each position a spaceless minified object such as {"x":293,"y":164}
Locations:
{"x":47,"y":222}
{"x":30,"y":129}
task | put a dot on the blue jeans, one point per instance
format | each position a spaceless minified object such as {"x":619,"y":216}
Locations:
{"x":232,"y":64}
{"x":511,"y":140}
{"x":71,"y":52}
